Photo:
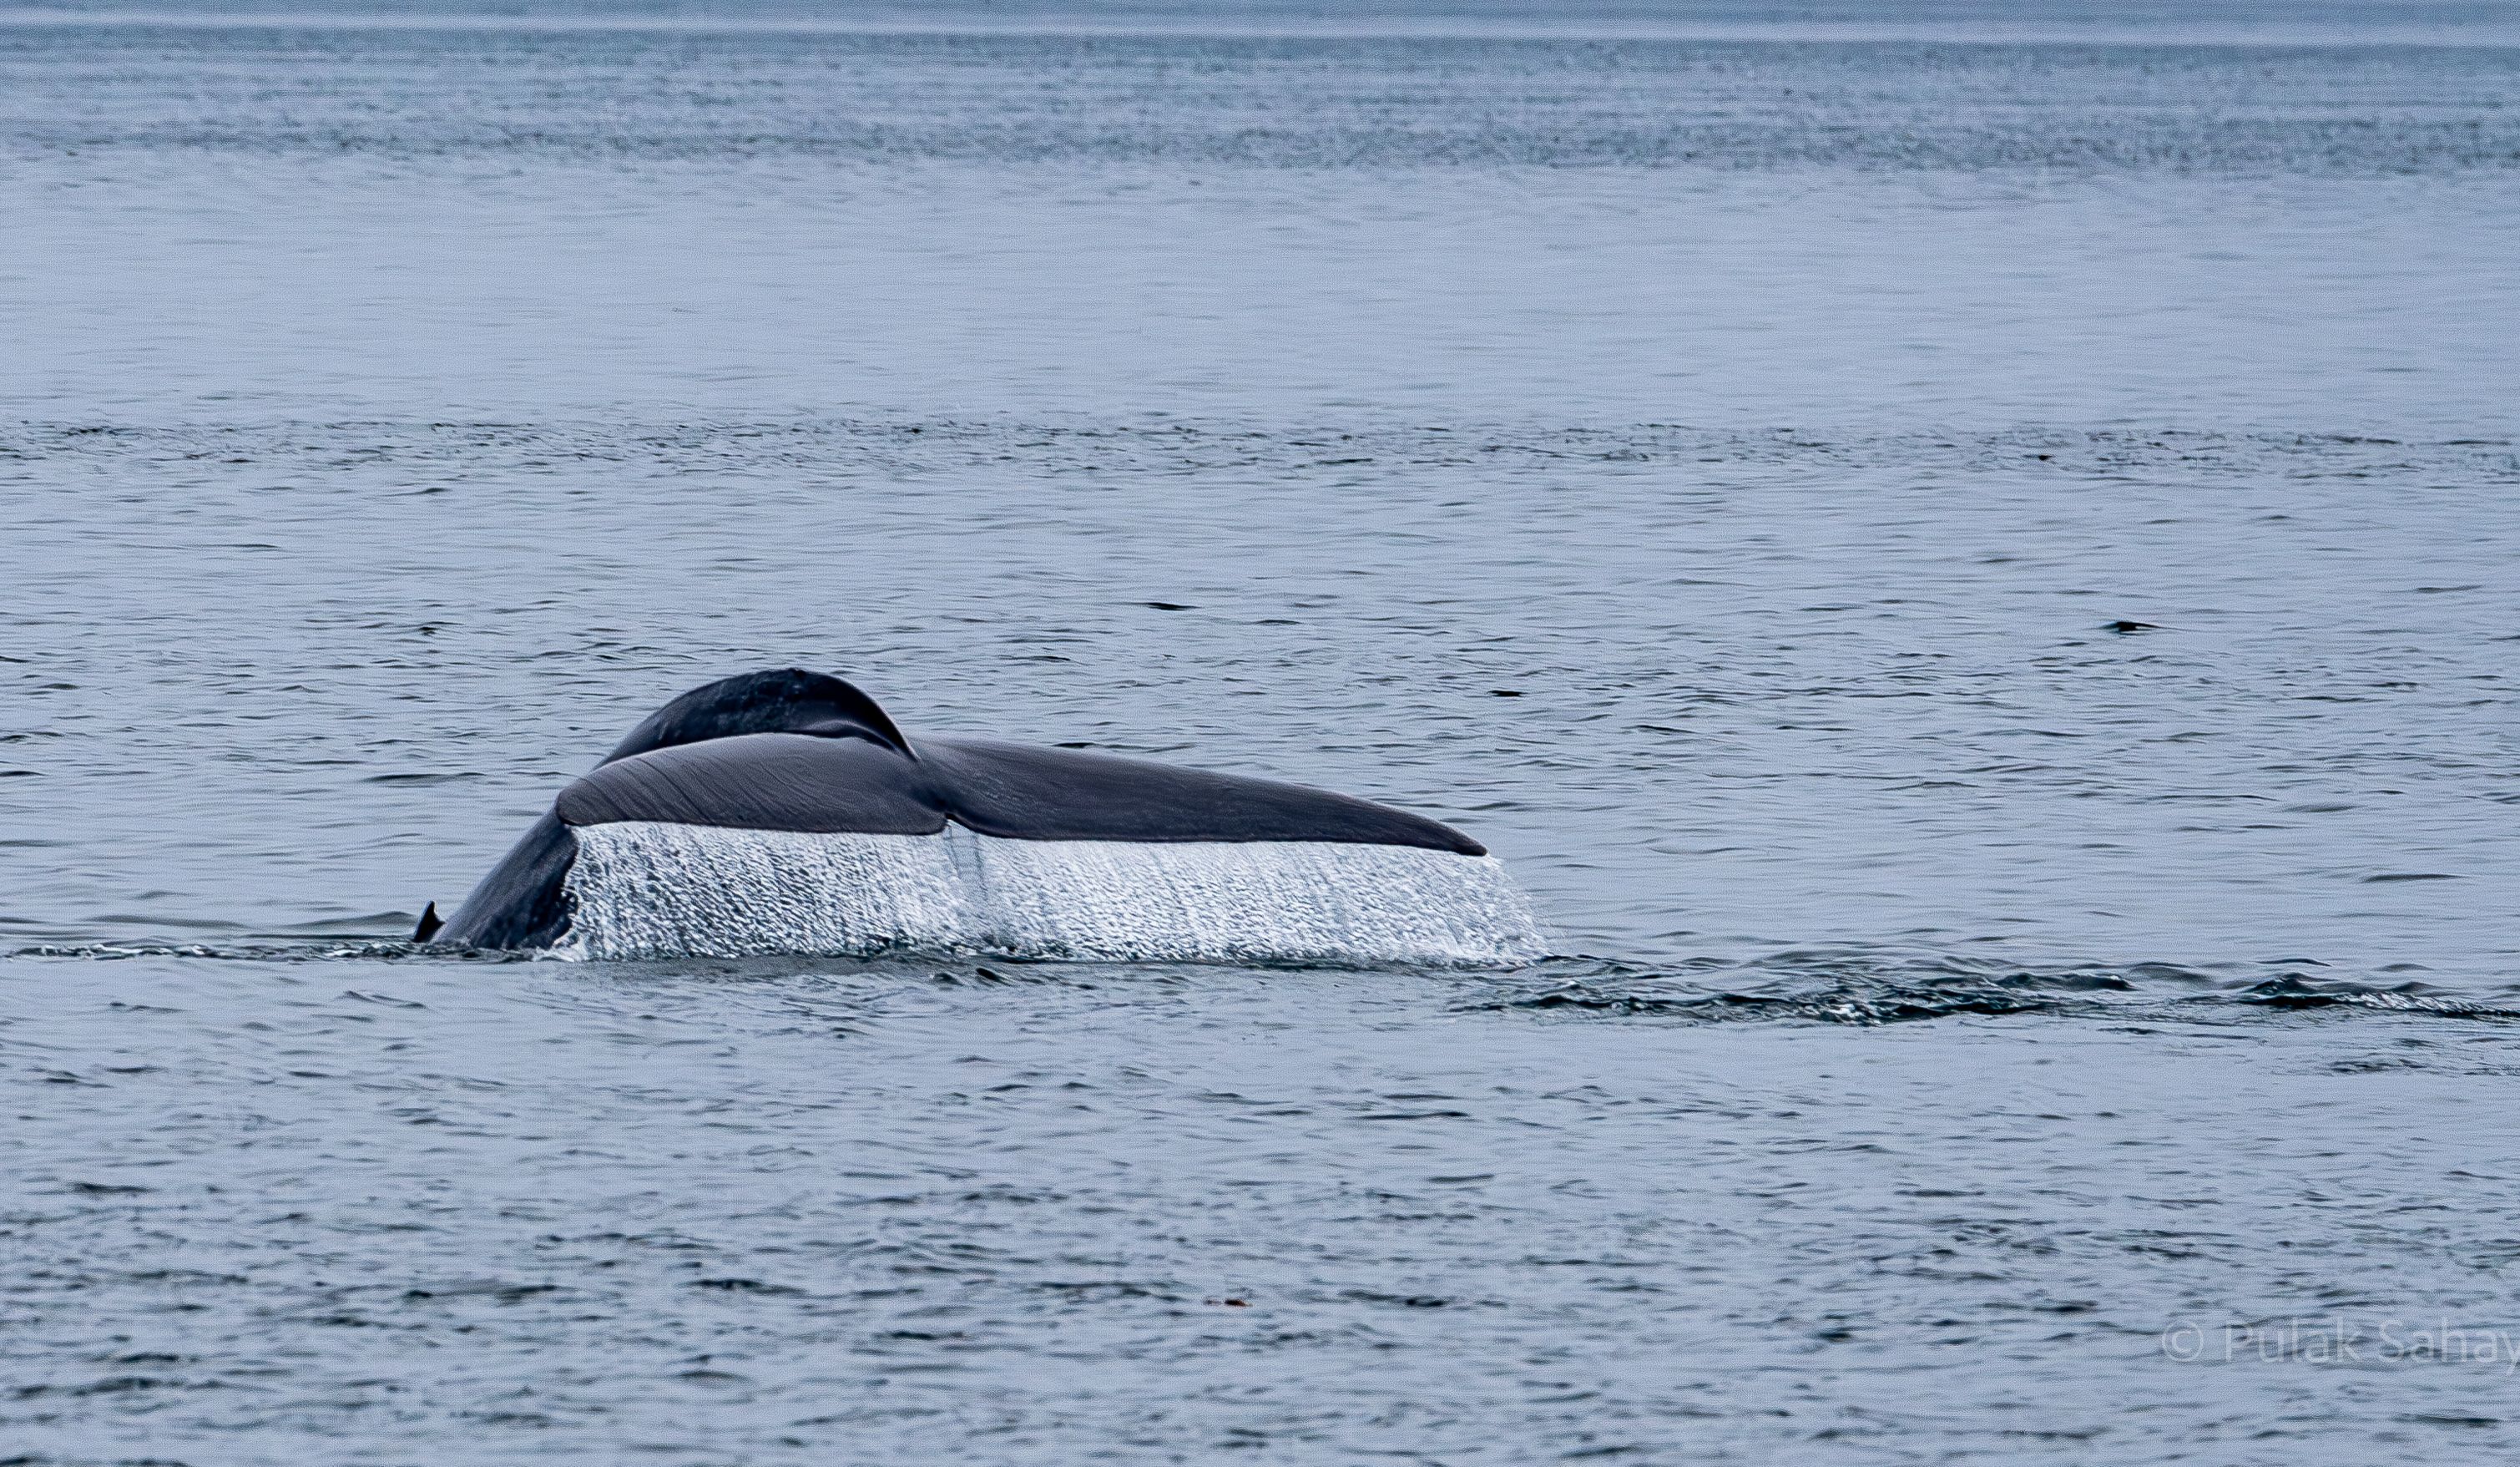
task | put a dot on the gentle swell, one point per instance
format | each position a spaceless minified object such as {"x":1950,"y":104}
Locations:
{"x":645,"y":890}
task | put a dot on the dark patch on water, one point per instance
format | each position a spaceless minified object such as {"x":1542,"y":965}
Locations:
{"x":1905,"y":989}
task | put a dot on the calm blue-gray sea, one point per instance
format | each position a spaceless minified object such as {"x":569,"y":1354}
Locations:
{"x":1699,"y":450}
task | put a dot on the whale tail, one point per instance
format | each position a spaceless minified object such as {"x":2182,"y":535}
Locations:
{"x":430,"y":922}
{"x":782,"y":812}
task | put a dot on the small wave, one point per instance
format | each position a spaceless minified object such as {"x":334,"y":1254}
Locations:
{"x":2292,"y":990}
{"x":301,"y":951}
{"x":1895,"y":989}
{"x":1886,"y":1004}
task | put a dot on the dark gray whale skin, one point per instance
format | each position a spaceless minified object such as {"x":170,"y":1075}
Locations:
{"x":797,"y":751}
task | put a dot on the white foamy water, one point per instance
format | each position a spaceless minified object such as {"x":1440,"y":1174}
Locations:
{"x":647,"y":889}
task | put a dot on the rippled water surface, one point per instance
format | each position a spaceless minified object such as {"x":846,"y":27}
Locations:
{"x":1708,"y":470}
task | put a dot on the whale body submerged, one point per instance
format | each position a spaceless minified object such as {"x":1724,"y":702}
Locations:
{"x":785,"y":812}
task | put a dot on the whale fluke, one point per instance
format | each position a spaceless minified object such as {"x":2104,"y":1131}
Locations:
{"x":785,"y":811}
{"x":784,"y":781}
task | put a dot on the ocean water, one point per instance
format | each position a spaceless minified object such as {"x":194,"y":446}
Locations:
{"x":1703,"y":454}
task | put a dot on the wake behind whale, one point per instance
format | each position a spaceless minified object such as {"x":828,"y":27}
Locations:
{"x":784,"y":812}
